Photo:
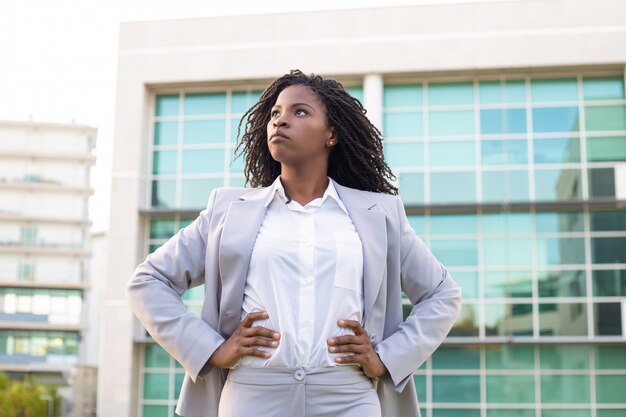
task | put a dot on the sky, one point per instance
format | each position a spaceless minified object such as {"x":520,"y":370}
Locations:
{"x":58,"y":60}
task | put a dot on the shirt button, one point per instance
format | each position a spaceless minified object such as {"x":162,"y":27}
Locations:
{"x":372,"y":337}
{"x":299,"y":375}
{"x":308,"y":279}
{"x":307,"y":323}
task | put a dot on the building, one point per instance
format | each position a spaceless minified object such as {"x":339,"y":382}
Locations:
{"x":505,"y":123}
{"x":44,"y":252}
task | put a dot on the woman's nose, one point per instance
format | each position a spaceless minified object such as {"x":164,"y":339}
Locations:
{"x":280,"y":121}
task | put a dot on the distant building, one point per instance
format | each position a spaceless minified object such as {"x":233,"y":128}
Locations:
{"x":44,"y":252}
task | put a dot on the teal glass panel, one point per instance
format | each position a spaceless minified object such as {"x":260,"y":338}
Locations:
{"x":164,"y":162}
{"x":468,"y":281}
{"x":568,"y":412}
{"x":563,"y":319}
{"x":453,"y":224}
{"x":501,"y":186}
{"x":495,"y":412}
{"x":608,"y":221}
{"x":555,"y":119}
{"x":185,"y":223}
{"x":557,"y":251}
{"x":554,"y":89}
{"x":500,"y":121}
{"x":456,"y":389}
{"x":616,"y":412}
{"x":505,"y":223}
{"x":194,"y":294}
{"x":606,"y":149}
{"x":509,"y":319}
{"x":454,"y":412}
{"x":234,"y":125}
{"x":411,"y":186}
{"x":502,"y":92}
{"x":156,"y":357}
{"x":356,"y":92}
{"x":447,"y":123}
{"x":557,"y":184}
{"x":420,"y":387}
{"x":565,"y":389}
{"x":166,"y":133}
{"x":205,"y":103}
{"x":504,"y":152}
{"x":507,"y":284}
{"x":199,"y":161}
{"x":611,"y":389}
{"x":455,"y":252}
{"x":507,"y":252}
{"x":237,"y":182}
{"x":195,"y":192}
{"x":446,"y":94}
{"x":164,"y":193}
{"x":553,"y":222}
{"x":466,"y":323}
{"x":403,"y":124}
{"x":178,"y":382}
{"x":607,"y":319}
{"x":458,"y":187}
{"x":611,"y":357}
{"x":456,"y":357}
{"x":417,"y":222}
{"x":509,"y":357}
{"x":561,"y":283}
{"x":156,"y":386}
{"x":204,"y":131}
{"x":558,"y":357}
{"x":510,"y":389}
{"x":404,"y":95}
{"x":601,"y":182}
{"x":237,"y":162}
{"x":452,"y":154}
{"x":153,"y":247}
{"x":166,"y":105}
{"x":598,"y":118}
{"x":608,"y":250}
{"x":162,"y":228}
{"x":156,"y":411}
{"x":603,"y":88}
{"x":559,"y":150}
{"x":241,"y":101}
{"x":609,"y":283}
{"x":404,"y":154}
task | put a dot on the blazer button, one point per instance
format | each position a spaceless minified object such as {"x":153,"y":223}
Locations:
{"x":372,"y":337}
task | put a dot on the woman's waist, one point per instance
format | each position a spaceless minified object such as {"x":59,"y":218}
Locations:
{"x":276,"y":375}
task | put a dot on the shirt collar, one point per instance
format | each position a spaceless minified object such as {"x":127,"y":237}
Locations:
{"x":331,"y":191}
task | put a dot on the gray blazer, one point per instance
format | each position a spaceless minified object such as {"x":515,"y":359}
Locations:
{"x":215,"y":251}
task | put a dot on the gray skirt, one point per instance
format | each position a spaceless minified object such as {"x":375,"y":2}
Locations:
{"x":339,"y":391}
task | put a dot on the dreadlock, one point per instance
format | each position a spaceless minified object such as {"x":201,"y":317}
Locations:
{"x":356,"y":161}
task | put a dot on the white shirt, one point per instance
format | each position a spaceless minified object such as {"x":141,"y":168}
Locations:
{"x":306,"y":271}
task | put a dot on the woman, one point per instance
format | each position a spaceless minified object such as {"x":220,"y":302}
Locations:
{"x":303,"y":274}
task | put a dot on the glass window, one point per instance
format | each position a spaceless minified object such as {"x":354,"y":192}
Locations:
{"x":445,"y":94}
{"x":557,"y":184}
{"x":508,"y":319}
{"x":557,"y":251}
{"x":502,"y":121}
{"x":565,"y":389}
{"x":163,"y":193}
{"x":234,"y":125}
{"x":608,"y":319}
{"x":554,"y":151}
{"x":164,"y":162}
{"x":502,"y":92}
{"x":553,"y":222}
{"x":456,"y":388}
{"x":156,"y":357}
{"x":420,"y":387}
{"x":455,"y":252}
{"x":404,"y":154}
{"x":241,"y":101}
{"x":155,"y":411}
{"x":503,"y":186}
{"x":458,"y":187}
{"x":563,"y":319}
{"x":567,"y":412}
{"x":162,"y":228}
{"x":598,"y":118}
{"x":607,"y":250}
{"x":611,"y":357}
{"x":156,"y":386}
{"x":411,"y":187}
{"x":236,"y":162}
{"x":417,"y":222}
{"x":205,"y":103}
{"x":166,"y":105}
{"x":561,"y":283}
{"x":600,"y":149}
{"x":456,"y":357}
{"x":204,"y":131}
{"x":452,"y":154}
{"x":601,"y":182}
{"x":448,"y":123}
{"x":554,"y":90}
{"x":495,"y":412}
{"x":454,"y":412}
{"x":510,"y":389}
{"x":608,"y":221}
{"x":403,"y":124}
{"x":564,"y":357}
{"x":166,"y":133}
{"x":407,"y":95}
{"x":503,"y":152}
{"x":603,"y":88}
{"x":610,"y":388}
{"x":555,"y":119}
{"x":616,"y":412}
{"x":608,"y":283}
{"x":506,"y":222}
{"x":356,"y":92}
{"x":197,"y":161}
{"x":453,"y":224}
{"x":505,"y":252}
{"x":468,"y":281}
{"x":509,"y":357}
{"x":466,"y":324}
{"x":508,"y":284}
{"x":195,"y":192}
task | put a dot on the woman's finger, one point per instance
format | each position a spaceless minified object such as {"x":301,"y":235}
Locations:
{"x":252,"y":317}
{"x":258,"y":341}
{"x":348,"y":348}
{"x":260,"y":331}
{"x":250,"y":351}
{"x":354,"y":325}
{"x":360,"y":359}
{"x":347,"y":339}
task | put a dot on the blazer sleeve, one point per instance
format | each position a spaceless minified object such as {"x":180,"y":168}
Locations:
{"x":155,"y":295}
{"x":436,"y":300}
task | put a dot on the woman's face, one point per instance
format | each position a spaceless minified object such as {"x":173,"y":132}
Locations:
{"x":300,"y":117}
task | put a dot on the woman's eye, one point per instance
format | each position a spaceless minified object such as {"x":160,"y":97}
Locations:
{"x":301,"y":110}
{"x":274,"y":113}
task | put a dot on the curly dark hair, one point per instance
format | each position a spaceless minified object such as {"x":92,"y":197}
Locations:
{"x":356,"y":161}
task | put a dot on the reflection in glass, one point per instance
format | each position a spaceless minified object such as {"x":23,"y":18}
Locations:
{"x":453,"y":224}
{"x":507,"y":252}
{"x":565,"y":389}
{"x":508,"y":319}
{"x":502,"y":92}
{"x":509,"y":357}
{"x":554,"y":89}
{"x":411,"y":187}
{"x":554,"y":151}
{"x":452,"y":154}
{"x":166,"y":133}
{"x":162,"y":228}
{"x":555,"y":119}
{"x":608,"y":221}
{"x":602,"y":149}
{"x":560,"y":251}
{"x":506,"y":222}
{"x":504,"y":152}
{"x":608,"y":319}
{"x":557,"y":184}
{"x":510,"y":388}
{"x":448,"y":123}
{"x":561,"y":283}
{"x":164,"y":162}
{"x":456,"y":357}
{"x":610,"y":389}
{"x":164,"y":193}
{"x":564,"y":357}
{"x":553,"y":222}
{"x":608,"y":250}
{"x":456,"y":388}
{"x":455,"y":252}
{"x":603,"y":88}
{"x":609,"y":283}
{"x":195,"y":192}
{"x":499,"y":121}
{"x":466,"y":324}
{"x":563,"y":319}
{"x":458,"y":187}
{"x":468,"y":281}
{"x":605,"y":118}
{"x":504,"y":284}
{"x":200,"y":161}
{"x":503,"y":186}
{"x":601,"y":182}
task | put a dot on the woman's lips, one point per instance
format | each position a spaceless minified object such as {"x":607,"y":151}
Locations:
{"x":278,"y":138}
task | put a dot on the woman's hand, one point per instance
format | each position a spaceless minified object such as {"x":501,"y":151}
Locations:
{"x":360,"y":345}
{"x":243,"y":342}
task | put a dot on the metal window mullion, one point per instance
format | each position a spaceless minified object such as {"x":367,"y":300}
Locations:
{"x":477,"y":145}
{"x":227,"y":142}
{"x":483,"y":381}
{"x":588,"y":275}
{"x":582,"y":129}
{"x":426,"y":142}
{"x":179,"y":153}
{"x":529,"y":140}
{"x":537,"y":375}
